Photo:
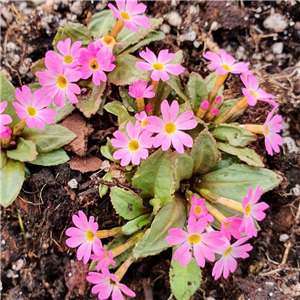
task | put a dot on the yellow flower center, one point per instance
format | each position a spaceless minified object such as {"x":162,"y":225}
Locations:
{"x":62,"y":81}
{"x":90,"y":235}
{"x":107,"y":255}
{"x":194,"y":238}
{"x":226,"y":67}
{"x":248,"y":210}
{"x":158,"y":66}
{"x":198,"y":210}
{"x":226,"y":224}
{"x":94,"y":65}
{"x":125,"y":15}
{"x":227,"y":252}
{"x":31,"y":111}
{"x":253,"y":94}
{"x":170,"y":128}
{"x":144,"y":123}
{"x":134,"y":145}
{"x":109,"y":41}
{"x":68,"y":59}
{"x":267,"y":130}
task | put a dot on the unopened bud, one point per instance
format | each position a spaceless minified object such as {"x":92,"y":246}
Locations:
{"x":148,"y":109}
{"x":214,"y":111}
{"x":204,"y":105}
{"x":218,"y":100}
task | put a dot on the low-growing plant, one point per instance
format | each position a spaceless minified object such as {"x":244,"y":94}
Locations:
{"x":193,"y":182}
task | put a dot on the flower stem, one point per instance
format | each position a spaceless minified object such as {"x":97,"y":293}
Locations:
{"x":214,"y":212}
{"x":18,"y":128}
{"x":124,"y":267}
{"x":218,"y":83}
{"x":117,"y":28}
{"x":102,"y":234}
{"x":155,"y":106}
{"x":140,"y":104}
{"x":253,"y":128}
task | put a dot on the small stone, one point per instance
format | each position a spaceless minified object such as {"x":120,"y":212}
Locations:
{"x":240,"y":52}
{"x":76,"y":8}
{"x":277,"y":48}
{"x":256,"y":56}
{"x":101,"y":5}
{"x":193,"y":9}
{"x":214,"y":26}
{"x":165,"y":28}
{"x":296,"y":190}
{"x":269,"y":57}
{"x":277,"y":22}
{"x":10,"y":46}
{"x":196,"y":44}
{"x":73,"y":184}
{"x":174,"y":19}
{"x":24,"y":68}
{"x":189,"y":36}
{"x":6,"y":14}
{"x":283,"y":238}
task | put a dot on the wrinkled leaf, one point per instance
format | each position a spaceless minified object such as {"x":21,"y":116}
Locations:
{"x":154,"y":177}
{"x":172,"y":215}
{"x":25,"y":151}
{"x":103,"y":188}
{"x":52,"y":158}
{"x":101,"y":23}
{"x":185,"y":280}
{"x":204,"y":153}
{"x":136,"y":224}
{"x":11,"y":180}
{"x":234,"y":135}
{"x":245,"y":154}
{"x":38,"y":66}
{"x":108,"y":150}
{"x":127,"y":204}
{"x":128,"y":101}
{"x":156,"y":203}
{"x":125,"y":72}
{"x":52,"y":137}
{"x":226,"y":161}
{"x":117,"y":108}
{"x":3,"y":160}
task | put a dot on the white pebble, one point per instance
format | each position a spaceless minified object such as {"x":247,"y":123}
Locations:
{"x":19,"y":265}
{"x":269,"y":57}
{"x":174,"y":19}
{"x":214,"y":26}
{"x":165,"y":28}
{"x":76,"y":8}
{"x":283,"y":237}
{"x":277,"y":48}
{"x":257,"y":16}
{"x":3,"y":242}
{"x":296,"y":190}
{"x":193,"y":9}
{"x":291,"y":144}
{"x":189,"y":36}
{"x":73,"y":184}
{"x":256,"y":56}
{"x":196,"y":44}
{"x":277,"y":22}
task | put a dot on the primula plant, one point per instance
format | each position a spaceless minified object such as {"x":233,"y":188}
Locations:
{"x":193,"y":182}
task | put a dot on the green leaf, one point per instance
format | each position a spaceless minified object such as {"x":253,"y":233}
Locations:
{"x":154,"y":177}
{"x":196,"y":90}
{"x":117,"y":108}
{"x":90,"y":103}
{"x":185,"y":280}
{"x":52,"y":158}
{"x":182,"y":165}
{"x":210,"y":81}
{"x":163,"y":91}
{"x":52,"y":137}
{"x":11,"y":180}
{"x":108,"y":150}
{"x":226,"y":161}
{"x":127,"y":204}
{"x":136,"y":224}
{"x":204,"y":152}
{"x":172,"y":215}
{"x":3,"y":159}
{"x":234,"y":182}
{"x":101,"y":23}
{"x":25,"y":151}
{"x":227,"y":104}
{"x":103,"y":188}
{"x":38,"y":66}
{"x":125,"y":72}
{"x":129,"y":102}
{"x":156,"y":203}
{"x":245,"y":154}
{"x":234,"y":135}
{"x":75,"y":31}
{"x":8,"y":94}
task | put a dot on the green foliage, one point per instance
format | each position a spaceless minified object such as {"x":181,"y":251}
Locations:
{"x":128,"y":101}
{"x":107,"y":21}
{"x":52,"y":158}
{"x":103,"y":188}
{"x":136,"y":224}
{"x":25,"y":151}
{"x":108,"y":150}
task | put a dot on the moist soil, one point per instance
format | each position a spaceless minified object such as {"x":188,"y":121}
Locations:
{"x":35,"y":261}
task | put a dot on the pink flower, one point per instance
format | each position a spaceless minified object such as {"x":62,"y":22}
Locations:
{"x":159,"y":65}
{"x":57,"y":82}
{"x":252,"y":90}
{"x":227,"y":262}
{"x":225,"y":63}
{"x":230,"y":227}
{"x":83,"y":236}
{"x":129,"y":11}
{"x":6,"y":133}
{"x":134,"y":145}
{"x":139,"y":89}
{"x":202,"y":245}
{"x":198,"y":210}
{"x":271,"y":128}
{"x":69,"y":54}
{"x":169,"y":129}
{"x":107,"y":284}
{"x":142,"y":117}
{"x":94,"y":62}
{"x":32,"y":107}
{"x":252,"y":210}
{"x":4,"y":119}
{"x":107,"y":43}
{"x":148,"y":109}
{"x":105,"y":258}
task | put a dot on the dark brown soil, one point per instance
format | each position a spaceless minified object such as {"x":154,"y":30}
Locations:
{"x":35,"y":261}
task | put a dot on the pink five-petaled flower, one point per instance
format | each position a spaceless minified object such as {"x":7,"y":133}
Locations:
{"x":105,"y":258}
{"x":107,"y":284}
{"x":169,"y":129}
{"x":252,"y":210}
{"x":32,"y":107}
{"x":134,"y":145}
{"x":159,"y":65}
{"x":139,"y":89}
{"x":227,"y":262}
{"x":94,"y":62}
{"x":57,"y":82}
{"x":225,"y":63}
{"x":129,"y":11}
{"x":230,"y":227}
{"x":83,"y":235}
{"x":142,"y":117}
{"x":253,"y":92}
{"x":271,"y":128}
{"x":198,"y":210}
{"x":4,"y":119}
{"x":69,"y":55}
{"x":201,"y":244}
